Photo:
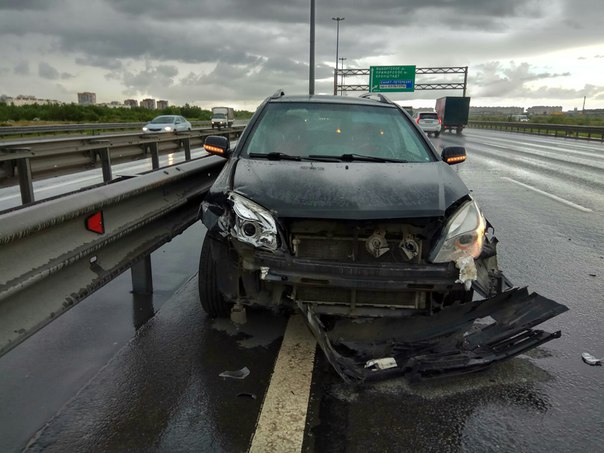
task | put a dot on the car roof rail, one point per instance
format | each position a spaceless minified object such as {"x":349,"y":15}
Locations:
{"x":380,"y":97}
{"x":277,"y":94}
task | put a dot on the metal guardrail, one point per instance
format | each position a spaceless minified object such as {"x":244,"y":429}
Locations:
{"x":91,"y":128}
{"x":554,"y":130}
{"x":27,"y":159}
{"x":55,"y":253}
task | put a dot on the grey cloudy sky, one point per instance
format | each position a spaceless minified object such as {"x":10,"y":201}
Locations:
{"x":237,"y":52}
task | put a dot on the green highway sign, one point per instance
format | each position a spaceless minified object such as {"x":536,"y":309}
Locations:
{"x":391,"y":79}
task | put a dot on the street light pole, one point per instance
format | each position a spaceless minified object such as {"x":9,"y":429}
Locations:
{"x":311,"y":62}
{"x":342,"y":76}
{"x":335,"y":74}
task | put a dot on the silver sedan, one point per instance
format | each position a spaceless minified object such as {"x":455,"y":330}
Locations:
{"x":167,"y":123}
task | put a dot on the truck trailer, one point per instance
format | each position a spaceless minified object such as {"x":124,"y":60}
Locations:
{"x":453,"y":112}
{"x":222,"y":117}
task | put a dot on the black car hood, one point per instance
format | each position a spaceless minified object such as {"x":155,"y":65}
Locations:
{"x":355,"y":190}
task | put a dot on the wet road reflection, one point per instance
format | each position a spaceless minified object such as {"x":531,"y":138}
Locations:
{"x":163,"y":392}
{"x":434,"y":415}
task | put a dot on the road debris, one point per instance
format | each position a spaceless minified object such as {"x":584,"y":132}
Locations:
{"x":590,"y":359}
{"x":238,"y":374}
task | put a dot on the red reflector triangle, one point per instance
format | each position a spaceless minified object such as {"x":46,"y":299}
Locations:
{"x":95,"y":223}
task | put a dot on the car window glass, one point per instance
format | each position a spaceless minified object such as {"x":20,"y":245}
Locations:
{"x":303,"y":129}
{"x":162,"y":120}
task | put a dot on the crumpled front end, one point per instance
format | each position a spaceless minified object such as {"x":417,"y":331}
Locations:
{"x":382,"y":297}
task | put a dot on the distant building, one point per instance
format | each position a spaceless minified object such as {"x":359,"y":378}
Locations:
{"x":502,"y":111}
{"x":131,"y":102}
{"x":148,"y":103}
{"x":23,"y":99}
{"x":162,"y":105}
{"x":86,"y":98}
{"x":544,"y":110}
{"x":586,"y":112}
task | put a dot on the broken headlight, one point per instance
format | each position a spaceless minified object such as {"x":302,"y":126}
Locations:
{"x":253,"y":224}
{"x":462,"y":236}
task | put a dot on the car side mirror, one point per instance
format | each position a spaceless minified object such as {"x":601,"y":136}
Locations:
{"x":454,"y":154}
{"x":217,"y":145}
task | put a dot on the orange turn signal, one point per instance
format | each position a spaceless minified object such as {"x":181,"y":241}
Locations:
{"x":213,"y":149}
{"x":453,"y":159}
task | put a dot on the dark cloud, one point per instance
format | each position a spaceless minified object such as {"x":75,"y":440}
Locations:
{"x":369,"y":12}
{"x":149,"y":79}
{"x":21,"y":68}
{"x":241,"y":49}
{"x":46,"y":71}
{"x":20,"y":5}
{"x":512,"y":81}
{"x":99,"y":62}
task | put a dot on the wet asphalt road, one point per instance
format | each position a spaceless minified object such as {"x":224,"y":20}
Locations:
{"x":92,"y":382}
{"x":547,"y":400}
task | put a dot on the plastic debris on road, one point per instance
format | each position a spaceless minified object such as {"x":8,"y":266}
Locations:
{"x":381,"y":364}
{"x":590,"y":359}
{"x":238,"y":374}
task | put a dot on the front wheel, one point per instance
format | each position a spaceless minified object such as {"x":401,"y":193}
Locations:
{"x":212,"y":301}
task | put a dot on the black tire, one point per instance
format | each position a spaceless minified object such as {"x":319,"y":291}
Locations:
{"x":436,"y":134}
{"x":212,"y":301}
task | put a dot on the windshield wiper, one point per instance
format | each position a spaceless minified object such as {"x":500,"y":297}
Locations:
{"x":275,"y":156}
{"x":358,"y":157}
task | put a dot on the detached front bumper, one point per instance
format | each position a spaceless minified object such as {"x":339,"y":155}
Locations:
{"x":442,"y":344}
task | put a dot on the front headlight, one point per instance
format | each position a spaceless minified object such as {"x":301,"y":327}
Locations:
{"x":462,"y":236}
{"x":168,"y":129}
{"x":145,"y":129}
{"x":253,"y":224}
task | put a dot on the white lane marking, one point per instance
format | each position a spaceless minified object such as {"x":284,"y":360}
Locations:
{"x":282,"y":418}
{"x":549,"y":195}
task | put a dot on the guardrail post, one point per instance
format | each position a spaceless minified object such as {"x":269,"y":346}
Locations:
{"x":25,"y":180}
{"x":154,"y":155}
{"x":186,"y":143}
{"x":142,"y":277}
{"x":106,"y":163}
{"x":105,"y":159}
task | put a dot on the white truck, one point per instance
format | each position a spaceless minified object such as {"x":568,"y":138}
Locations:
{"x":222,"y":117}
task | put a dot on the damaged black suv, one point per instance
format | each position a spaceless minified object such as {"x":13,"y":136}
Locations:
{"x":342,"y":208}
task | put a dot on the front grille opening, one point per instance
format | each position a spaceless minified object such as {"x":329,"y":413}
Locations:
{"x":362,"y":242}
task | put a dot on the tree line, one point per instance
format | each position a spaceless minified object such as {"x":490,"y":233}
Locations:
{"x":575,"y":119}
{"x":75,"y":113}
